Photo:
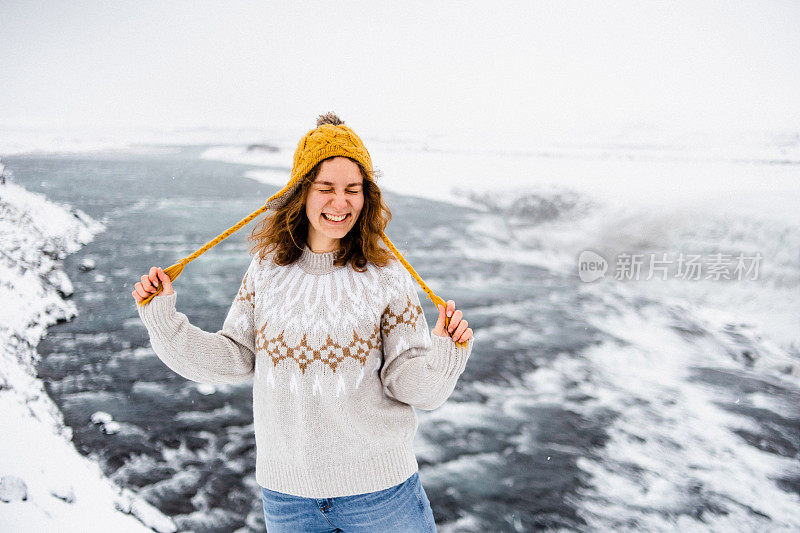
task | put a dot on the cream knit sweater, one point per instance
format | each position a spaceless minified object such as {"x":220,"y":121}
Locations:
{"x":338,"y":359}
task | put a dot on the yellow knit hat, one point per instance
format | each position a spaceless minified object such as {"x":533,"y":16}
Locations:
{"x":330,"y":138}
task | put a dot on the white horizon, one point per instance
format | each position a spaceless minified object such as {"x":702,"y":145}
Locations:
{"x":539,"y":70}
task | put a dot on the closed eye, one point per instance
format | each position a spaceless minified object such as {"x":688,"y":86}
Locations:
{"x":331,"y":190}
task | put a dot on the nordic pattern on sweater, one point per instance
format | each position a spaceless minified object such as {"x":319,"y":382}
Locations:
{"x":308,"y":337}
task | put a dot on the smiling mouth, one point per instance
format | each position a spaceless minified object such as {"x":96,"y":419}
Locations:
{"x":325,"y":216}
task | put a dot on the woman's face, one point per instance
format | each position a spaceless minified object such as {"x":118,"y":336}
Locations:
{"x":337,"y":190}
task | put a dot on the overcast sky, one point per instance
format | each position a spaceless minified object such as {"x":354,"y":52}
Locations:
{"x":498,"y":66}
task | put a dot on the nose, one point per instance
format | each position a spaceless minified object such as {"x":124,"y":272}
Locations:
{"x":339,"y":202}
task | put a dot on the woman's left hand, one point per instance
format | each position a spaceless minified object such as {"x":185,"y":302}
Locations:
{"x":458,"y":329}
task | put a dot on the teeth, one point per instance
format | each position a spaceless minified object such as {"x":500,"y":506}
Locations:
{"x":333,"y":218}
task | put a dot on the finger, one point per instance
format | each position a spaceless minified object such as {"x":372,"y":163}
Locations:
{"x":451,"y":307}
{"x":440,"y":322}
{"x":136,"y":296}
{"x":140,"y":290}
{"x":462,"y":326}
{"x":148,"y":286}
{"x":455,"y":320}
{"x":164,"y":279}
{"x":467,"y":335}
{"x":154,"y":276}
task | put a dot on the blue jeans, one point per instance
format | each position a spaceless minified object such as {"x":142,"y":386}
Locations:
{"x":402,"y":508}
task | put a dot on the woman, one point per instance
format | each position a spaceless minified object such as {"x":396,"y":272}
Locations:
{"x":330,"y":327}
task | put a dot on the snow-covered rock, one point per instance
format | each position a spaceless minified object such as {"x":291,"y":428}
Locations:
{"x":64,"y":492}
{"x":101,"y":417}
{"x":87,"y":264}
{"x":13,"y":489}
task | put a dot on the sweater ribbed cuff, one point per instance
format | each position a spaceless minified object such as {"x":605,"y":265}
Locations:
{"x":448,"y":358}
{"x":158,"y":312}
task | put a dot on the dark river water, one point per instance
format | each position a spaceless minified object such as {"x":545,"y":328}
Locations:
{"x":581,"y":408}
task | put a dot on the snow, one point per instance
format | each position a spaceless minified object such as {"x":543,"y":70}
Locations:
{"x":59,"y":489}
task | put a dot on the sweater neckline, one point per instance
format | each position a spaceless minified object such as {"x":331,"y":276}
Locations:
{"x":317,"y":263}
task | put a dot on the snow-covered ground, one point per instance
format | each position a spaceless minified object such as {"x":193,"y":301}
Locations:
{"x":45,"y":483}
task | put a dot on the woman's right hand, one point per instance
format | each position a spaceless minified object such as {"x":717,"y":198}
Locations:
{"x":149,"y":284}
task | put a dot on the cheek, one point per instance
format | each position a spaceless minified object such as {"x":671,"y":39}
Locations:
{"x":313,"y":204}
{"x":358,"y":204}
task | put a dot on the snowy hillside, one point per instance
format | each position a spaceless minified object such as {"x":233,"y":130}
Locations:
{"x":45,"y":483}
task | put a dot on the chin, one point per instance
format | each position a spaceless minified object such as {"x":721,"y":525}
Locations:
{"x":337,"y":234}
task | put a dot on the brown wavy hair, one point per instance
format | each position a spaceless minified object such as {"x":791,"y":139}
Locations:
{"x":286,"y":229}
